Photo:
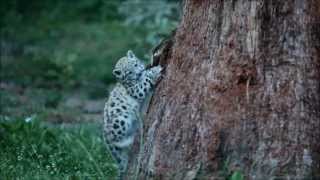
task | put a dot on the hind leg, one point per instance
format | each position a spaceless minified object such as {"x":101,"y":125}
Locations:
{"x":120,"y":155}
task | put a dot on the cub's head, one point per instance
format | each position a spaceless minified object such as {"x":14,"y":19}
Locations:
{"x":128,"y":67}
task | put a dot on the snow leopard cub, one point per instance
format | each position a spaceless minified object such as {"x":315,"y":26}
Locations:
{"x":122,"y":109}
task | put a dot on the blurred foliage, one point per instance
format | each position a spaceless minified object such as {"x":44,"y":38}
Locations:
{"x":228,"y":173}
{"x":158,"y":18}
{"x":236,"y":175}
{"x":52,"y":50}
{"x":65,"y":44}
{"x":30,"y":149}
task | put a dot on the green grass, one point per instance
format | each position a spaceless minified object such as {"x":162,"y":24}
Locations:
{"x":36,"y":150}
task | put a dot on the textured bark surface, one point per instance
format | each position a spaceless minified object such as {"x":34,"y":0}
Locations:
{"x":241,"y":90}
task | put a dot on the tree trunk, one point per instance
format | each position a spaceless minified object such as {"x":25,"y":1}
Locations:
{"x":240,"y":92}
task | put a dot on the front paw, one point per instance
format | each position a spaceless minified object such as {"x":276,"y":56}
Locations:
{"x":156,"y":71}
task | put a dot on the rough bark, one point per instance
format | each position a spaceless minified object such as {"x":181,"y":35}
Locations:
{"x":241,"y":91}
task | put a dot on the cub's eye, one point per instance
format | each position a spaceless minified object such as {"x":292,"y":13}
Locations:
{"x":117,"y":72}
{"x":135,"y":65}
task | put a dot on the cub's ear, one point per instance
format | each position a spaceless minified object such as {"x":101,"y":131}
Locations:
{"x":130,"y":54}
